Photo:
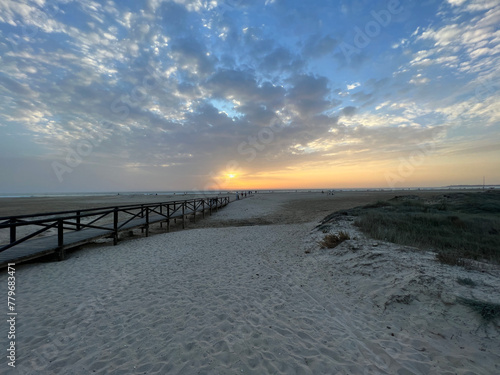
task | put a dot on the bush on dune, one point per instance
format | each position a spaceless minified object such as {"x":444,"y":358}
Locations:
{"x":333,"y":240}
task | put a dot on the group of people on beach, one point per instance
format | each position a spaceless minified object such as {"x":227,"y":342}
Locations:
{"x":243,"y":194}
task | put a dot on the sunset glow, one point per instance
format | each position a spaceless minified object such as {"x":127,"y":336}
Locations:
{"x":184,"y":95}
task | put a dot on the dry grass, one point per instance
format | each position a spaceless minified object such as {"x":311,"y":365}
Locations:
{"x":451,"y":259}
{"x":333,"y":240}
{"x":460,"y":227}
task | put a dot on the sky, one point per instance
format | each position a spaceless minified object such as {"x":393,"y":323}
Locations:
{"x":237,"y":94}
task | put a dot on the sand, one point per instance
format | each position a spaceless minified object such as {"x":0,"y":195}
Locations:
{"x":32,"y":205}
{"x":237,"y":293}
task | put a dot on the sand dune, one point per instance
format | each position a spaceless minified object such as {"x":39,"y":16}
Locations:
{"x":247,"y":299}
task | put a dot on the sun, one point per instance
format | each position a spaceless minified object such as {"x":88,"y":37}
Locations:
{"x":231,"y":175}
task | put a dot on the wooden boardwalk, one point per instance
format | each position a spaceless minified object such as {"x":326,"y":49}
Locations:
{"x":72,"y":232}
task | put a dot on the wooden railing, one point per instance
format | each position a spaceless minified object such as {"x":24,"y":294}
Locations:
{"x":109,"y":220}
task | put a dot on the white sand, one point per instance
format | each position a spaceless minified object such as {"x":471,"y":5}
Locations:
{"x":248,"y":299}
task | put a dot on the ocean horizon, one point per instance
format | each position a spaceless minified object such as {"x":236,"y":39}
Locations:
{"x":234,"y":191}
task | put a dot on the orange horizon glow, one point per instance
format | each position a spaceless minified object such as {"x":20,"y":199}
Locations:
{"x":435,"y":173}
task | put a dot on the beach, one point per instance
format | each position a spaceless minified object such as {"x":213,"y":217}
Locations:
{"x":43,"y":204}
{"x":249,"y":291}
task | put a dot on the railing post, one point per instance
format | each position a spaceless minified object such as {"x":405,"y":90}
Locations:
{"x":210,"y":206}
{"x":183,"y":214}
{"x":194,"y":211}
{"x":78,"y":226}
{"x":203,"y":207}
{"x":115,"y":226}
{"x":12,"y":230}
{"x":60,"y":240}
{"x":161,"y":212}
{"x":168,"y":218}
{"x":142,"y":210}
{"x":147,"y":221}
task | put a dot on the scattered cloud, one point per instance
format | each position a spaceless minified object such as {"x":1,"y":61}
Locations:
{"x":179,"y":86}
{"x":352,"y":86}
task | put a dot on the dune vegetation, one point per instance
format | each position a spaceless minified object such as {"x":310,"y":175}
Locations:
{"x":459,"y":226}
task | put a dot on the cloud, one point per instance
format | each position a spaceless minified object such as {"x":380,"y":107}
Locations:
{"x":443,"y":36}
{"x":191,"y":55}
{"x":31,"y":17}
{"x":419,"y":80}
{"x":15,"y":87}
{"x":476,"y":37}
{"x":281,"y":60}
{"x":362,"y":97}
{"x":456,"y":2}
{"x":308,"y":95}
{"x":180,"y":85}
{"x":243,"y":86}
{"x":319,"y":46}
{"x":352,"y":86}
{"x":348,"y":111}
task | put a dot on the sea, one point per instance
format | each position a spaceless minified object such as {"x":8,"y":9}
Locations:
{"x":217,"y":192}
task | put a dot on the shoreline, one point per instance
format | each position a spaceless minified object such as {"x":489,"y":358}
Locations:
{"x":11,"y":206}
{"x":231,"y":191}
